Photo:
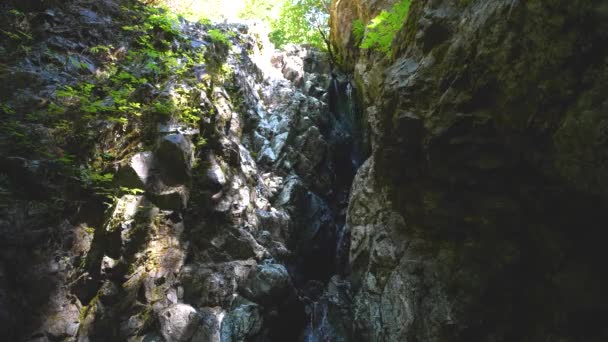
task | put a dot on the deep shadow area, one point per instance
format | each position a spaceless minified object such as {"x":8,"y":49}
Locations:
{"x":321,"y":244}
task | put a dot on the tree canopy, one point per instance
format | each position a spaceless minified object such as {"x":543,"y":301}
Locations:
{"x":290,"y":21}
{"x":380,"y":31}
{"x":302,"y":21}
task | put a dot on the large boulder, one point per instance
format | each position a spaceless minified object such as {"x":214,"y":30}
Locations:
{"x":243,"y":321}
{"x":210,"y":328}
{"x":215,"y":176}
{"x":136,"y":172}
{"x":173,"y":198}
{"x":267,"y":283}
{"x":179,"y":322}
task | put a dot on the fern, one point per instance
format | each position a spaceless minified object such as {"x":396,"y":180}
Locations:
{"x":381,"y":30}
{"x":219,"y":37}
{"x":358,"y":31}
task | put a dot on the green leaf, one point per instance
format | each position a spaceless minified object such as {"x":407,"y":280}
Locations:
{"x":381,"y":30}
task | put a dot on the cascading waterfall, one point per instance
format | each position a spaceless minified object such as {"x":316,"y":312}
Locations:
{"x":348,"y":157}
{"x":321,"y":242}
{"x":344,"y":109}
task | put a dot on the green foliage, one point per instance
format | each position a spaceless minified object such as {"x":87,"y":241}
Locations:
{"x":70,"y":120}
{"x":201,"y":142}
{"x":300,"y":22}
{"x":17,"y":37}
{"x":187,"y":111}
{"x":179,"y":104}
{"x":151,"y":61}
{"x":149,"y":80}
{"x":131,"y":191}
{"x":164,"y":108}
{"x":195,"y":10}
{"x":22,"y":139}
{"x":291,"y":21}
{"x":217,"y":36}
{"x":381,"y":31}
{"x":204,"y":21}
{"x":164,"y":21}
{"x":96,"y":180}
{"x":358,"y":31}
{"x":16,"y":13}
{"x":263,"y":10}
{"x":19,"y":42}
{"x":101,"y":49}
{"x":6,"y":109}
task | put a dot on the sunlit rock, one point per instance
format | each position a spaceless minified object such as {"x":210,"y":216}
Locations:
{"x":135,"y":174}
{"x":179,"y":322}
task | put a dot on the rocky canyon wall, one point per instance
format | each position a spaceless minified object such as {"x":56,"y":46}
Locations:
{"x":204,"y":206}
{"x":480,"y":215}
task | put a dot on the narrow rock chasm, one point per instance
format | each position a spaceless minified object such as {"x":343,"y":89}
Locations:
{"x":301,"y":124}
{"x":228,"y":228}
{"x":170,"y":180}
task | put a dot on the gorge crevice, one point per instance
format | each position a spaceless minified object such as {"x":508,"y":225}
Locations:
{"x":468,"y":221}
{"x":228,"y":229}
{"x":168,"y":180}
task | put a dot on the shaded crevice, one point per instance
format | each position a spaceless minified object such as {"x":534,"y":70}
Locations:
{"x":321,"y":260}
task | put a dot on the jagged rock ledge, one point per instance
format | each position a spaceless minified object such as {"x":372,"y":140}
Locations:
{"x":233,"y":239}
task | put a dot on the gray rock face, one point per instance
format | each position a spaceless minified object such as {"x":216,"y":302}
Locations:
{"x":136,"y":173}
{"x":231,"y":208}
{"x":454,"y":221}
{"x":214,"y":284}
{"x":179,"y":322}
{"x":175,"y":153}
{"x":478,"y":217}
{"x":243,"y":321}
{"x":342,"y":17}
{"x":170,"y":198}
{"x":328,"y":314}
{"x":209,"y":330}
{"x":385,"y":262}
{"x":267,"y":283}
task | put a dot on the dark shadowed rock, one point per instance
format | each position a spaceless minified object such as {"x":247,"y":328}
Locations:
{"x":213,"y":285}
{"x":480,"y":128}
{"x":174,"y":155}
{"x":268,"y":282}
{"x":243,"y":321}
{"x":170,"y":198}
{"x":210,"y":327}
